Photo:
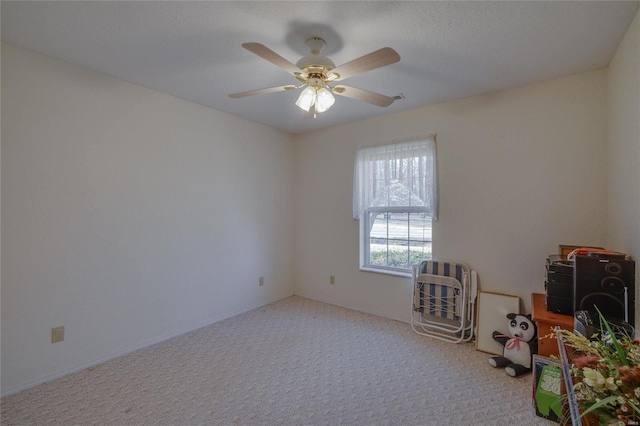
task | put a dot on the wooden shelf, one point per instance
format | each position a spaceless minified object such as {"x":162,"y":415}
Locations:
{"x":546,"y":322}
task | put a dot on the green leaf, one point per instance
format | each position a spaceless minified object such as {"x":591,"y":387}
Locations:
{"x":599,"y":404}
{"x":634,"y":406}
{"x":621,"y":353}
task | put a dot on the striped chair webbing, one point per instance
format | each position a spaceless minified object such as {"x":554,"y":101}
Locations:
{"x":437,"y":299}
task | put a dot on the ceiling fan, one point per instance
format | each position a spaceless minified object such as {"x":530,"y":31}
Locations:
{"x":318,"y":75}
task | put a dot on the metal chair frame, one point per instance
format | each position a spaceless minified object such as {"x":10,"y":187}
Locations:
{"x":434,"y":324}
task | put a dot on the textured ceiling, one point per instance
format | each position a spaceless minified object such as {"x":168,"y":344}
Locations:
{"x":449,"y":50}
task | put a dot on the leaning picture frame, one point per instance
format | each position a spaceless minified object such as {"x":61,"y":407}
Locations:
{"x":492,"y":316}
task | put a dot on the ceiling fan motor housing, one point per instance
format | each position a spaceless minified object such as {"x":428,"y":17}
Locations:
{"x":315,"y":59}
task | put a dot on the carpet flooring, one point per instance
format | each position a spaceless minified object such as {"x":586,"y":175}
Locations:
{"x":293,"y":362}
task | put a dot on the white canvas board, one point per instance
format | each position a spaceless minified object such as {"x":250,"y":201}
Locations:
{"x":492,"y":316}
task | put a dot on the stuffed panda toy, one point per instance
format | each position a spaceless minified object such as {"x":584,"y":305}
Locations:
{"x":519,"y":346}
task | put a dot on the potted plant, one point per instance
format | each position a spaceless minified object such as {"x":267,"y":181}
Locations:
{"x":606,"y":375}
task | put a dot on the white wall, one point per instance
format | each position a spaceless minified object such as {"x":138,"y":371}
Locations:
{"x":623,"y":172}
{"x":129,"y":216}
{"x":521,"y":171}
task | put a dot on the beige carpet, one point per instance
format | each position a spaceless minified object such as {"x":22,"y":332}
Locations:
{"x":293,"y":362}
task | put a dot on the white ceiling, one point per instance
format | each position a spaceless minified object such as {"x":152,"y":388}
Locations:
{"x":449,"y":50}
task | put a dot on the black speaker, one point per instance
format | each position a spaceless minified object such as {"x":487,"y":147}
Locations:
{"x":559,"y":285}
{"x":606,"y":283}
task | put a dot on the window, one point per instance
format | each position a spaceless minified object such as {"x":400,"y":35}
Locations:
{"x":395,"y":199}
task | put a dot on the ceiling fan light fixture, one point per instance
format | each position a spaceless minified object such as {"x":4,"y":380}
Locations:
{"x":324,"y":100}
{"x":307,"y":98}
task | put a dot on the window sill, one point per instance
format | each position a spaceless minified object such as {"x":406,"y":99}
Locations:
{"x":401,"y":274}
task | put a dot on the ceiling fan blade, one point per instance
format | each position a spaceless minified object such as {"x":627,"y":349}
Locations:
{"x":363,"y":95}
{"x":261,"y":91}
{"x":379,"y":58}
{"x":265,"y":53}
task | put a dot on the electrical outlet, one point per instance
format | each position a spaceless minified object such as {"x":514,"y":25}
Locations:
{"x":57,"y":334}
{"x":332,"y":279}
{"x":261,"y":281}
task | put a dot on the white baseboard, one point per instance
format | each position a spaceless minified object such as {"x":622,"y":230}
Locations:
{"x":59,"y":374}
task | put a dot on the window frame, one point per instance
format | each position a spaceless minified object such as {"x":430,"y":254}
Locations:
{"x":367,"y":200}
{"x":365,"y":239}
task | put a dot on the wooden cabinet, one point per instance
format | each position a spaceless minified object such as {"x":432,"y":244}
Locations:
{"x":546,"y":322}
